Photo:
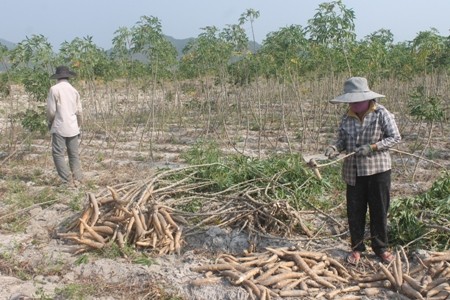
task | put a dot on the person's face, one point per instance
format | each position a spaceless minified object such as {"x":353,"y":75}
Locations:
{"x":360,"y":107}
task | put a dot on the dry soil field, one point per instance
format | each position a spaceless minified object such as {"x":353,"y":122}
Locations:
{"x":36,"y":264}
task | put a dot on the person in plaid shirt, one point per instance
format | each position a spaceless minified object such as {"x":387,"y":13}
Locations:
{"x":369,"y":130}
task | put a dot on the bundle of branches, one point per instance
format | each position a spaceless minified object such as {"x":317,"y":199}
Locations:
{"x":245,"y":212}
{"x":285,"y":272}
{"x":147,"y":213}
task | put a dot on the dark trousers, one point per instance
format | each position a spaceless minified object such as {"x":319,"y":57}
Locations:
{"x":371,"y":192}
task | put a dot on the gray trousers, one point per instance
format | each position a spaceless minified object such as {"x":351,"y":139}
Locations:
{"x":59,"y":146}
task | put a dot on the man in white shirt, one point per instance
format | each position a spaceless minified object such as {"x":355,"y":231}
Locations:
{"x":64,"y":115}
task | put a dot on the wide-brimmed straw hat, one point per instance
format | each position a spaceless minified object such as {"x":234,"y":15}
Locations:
{"x":63,"y":72}
{"x":356,"y":89}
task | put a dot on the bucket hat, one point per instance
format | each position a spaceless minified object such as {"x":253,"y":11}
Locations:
{"x":63,"y":72}
{"x":356,"y":89}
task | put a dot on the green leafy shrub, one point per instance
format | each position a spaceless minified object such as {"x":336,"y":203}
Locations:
{"x":423,"y":221}
{"x":429,"y":108}
{"x":5,"y":88}
{"x":34,"y":120}
{"x":36,"y":83}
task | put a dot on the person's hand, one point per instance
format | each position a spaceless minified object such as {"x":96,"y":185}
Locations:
{"x":331,"y":152}
{"x":49,"y":125}
{"x":364,"y":150}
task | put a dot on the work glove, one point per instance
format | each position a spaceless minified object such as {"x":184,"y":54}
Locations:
{"x":364,"y":150}
{"x":331,"y":152}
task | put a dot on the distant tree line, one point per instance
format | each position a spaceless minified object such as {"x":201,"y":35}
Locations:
{"x":326,"y":46}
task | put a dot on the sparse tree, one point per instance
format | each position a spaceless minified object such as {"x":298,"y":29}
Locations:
{"x":430,"y":50}
{"x":332,"y":32}
{"x":250,"y":15}
{"x":86,"y":58}
{"x":209,"y":54}
{"x":148,"y":39}
{"x":372,"y":55}
{"x":285,"y":51}
{"x":32,"y":62}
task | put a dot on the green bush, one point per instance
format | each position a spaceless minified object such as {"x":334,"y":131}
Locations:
{"x":423,"y":221}
{"x":34,"y":120}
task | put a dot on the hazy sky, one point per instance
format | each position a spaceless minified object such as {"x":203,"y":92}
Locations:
{"x":61,"y":21}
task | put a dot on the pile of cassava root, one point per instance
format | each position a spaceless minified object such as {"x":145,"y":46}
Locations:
{"x":290,"y":272}
{"x":129,"y":218}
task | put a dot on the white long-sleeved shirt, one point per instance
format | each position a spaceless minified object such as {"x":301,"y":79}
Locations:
{"x":63,"y":106}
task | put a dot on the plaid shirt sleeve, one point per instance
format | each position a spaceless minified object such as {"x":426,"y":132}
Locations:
{"x":378,"y":127}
